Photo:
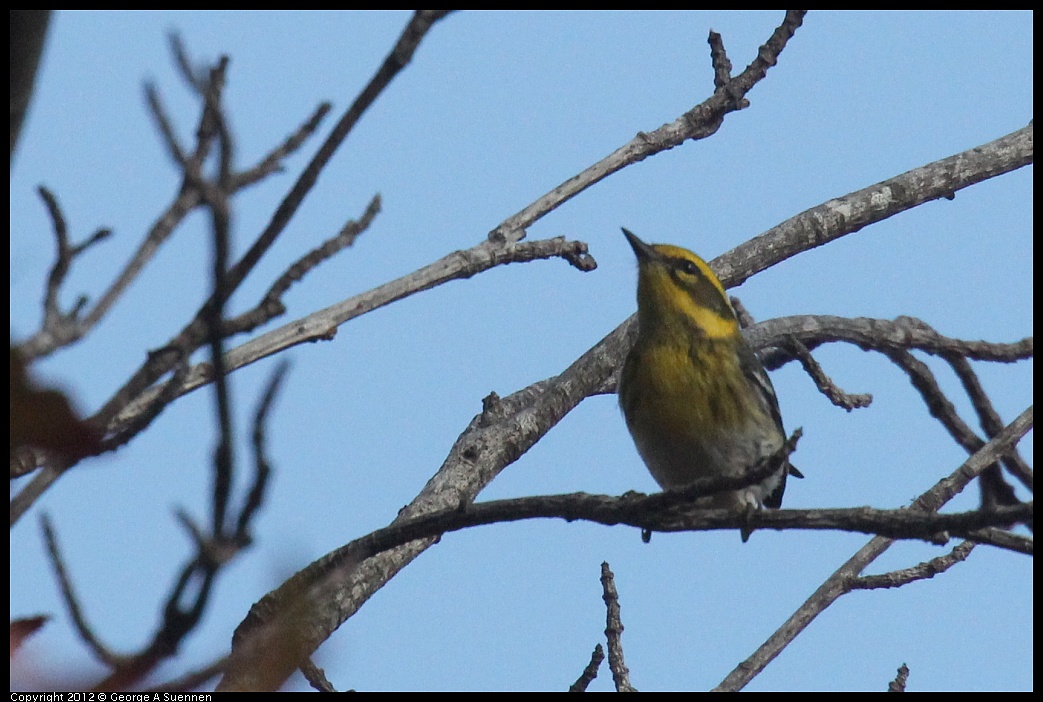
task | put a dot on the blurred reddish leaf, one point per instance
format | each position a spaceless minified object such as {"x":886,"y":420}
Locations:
{"x":21,"y":629}
{"x":44,"y":418}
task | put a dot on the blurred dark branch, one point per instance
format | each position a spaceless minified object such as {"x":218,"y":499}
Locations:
{"x":186,"y":603}
{"x":273,"y":162}
{"x":79,"y":619}
{"x":66,"y":254}
{"x":271,"y":304}
{"x":54,"y":465}
{"x":164,"y":125}
{"x":216,"y":195}
{"x":195,"y":334}
{"x":262,"y":464}
{"x":28,"y":31}
{"x":399,"y":57}
{"x":192,"y":680}
{"x":60,"y":331}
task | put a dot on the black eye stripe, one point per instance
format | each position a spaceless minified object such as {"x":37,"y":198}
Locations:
{"x":689,"y":277}
{"x":686,"y":266}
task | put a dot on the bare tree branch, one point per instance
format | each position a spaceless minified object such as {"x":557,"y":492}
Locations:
{"x":262,"y":465}
{"x":839,"y":582}
{"x":192,"y":336}
{"x":271,"y":304}
{"x":323,"y":324}
{"x":289,"y":623}
{"x":316,"y":677}
{"x":292,"y":621}
{"x":850,"y":213}
{"x":989,"y":418}
{"x":72,"y":602}
{"x":60,"y":331}
{"x":922,"y":571}
{"x":614,"y":632}
{"x":700,"y":122}
{"x":901,"y":334}
{"x":496,"y":438}
{"x":898,"y":684}
{"x":823,"y":382}
{"x":590,"y":672}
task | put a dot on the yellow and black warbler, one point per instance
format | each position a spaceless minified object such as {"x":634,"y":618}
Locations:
{"x":696,"y":398}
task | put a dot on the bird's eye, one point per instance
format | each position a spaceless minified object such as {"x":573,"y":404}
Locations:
{"x":689,"y":268}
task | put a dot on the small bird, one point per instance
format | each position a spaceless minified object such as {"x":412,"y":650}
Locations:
{"x":696,"y":399}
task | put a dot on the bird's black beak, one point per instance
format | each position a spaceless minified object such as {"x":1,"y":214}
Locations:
{"x":641,"y":249}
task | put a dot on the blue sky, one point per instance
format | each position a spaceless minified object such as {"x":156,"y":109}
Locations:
{"x":496,"y":109}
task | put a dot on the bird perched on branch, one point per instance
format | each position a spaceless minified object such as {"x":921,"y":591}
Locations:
{"x":696,"y":399}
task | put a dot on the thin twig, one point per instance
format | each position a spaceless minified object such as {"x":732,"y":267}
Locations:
{"x":614,"y":632}
{"x":722,"y":67}
{"x":79,"y":619}
{"x":399,"y":57}
{"x":164,"y":125}
{"x":700,"y":122}
{"x":272,"y":163}
{"x":54,"y":336}
{"x":823,"y":382}
{"x":323,"y":324}
{"x":792,"y":348}
{"x":193,"y":335}
{"x":988,"y":417}
{"x":590,"y":671}
{"x":316,"y":676}
{"x":262,"y":464}
{"x":922,"y":571}
{"x":66,"y":254}
{"x":839,"y":582}
{"x":271,"y":304}
{"x":898,"y":684}
{"x":194,"y":78}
